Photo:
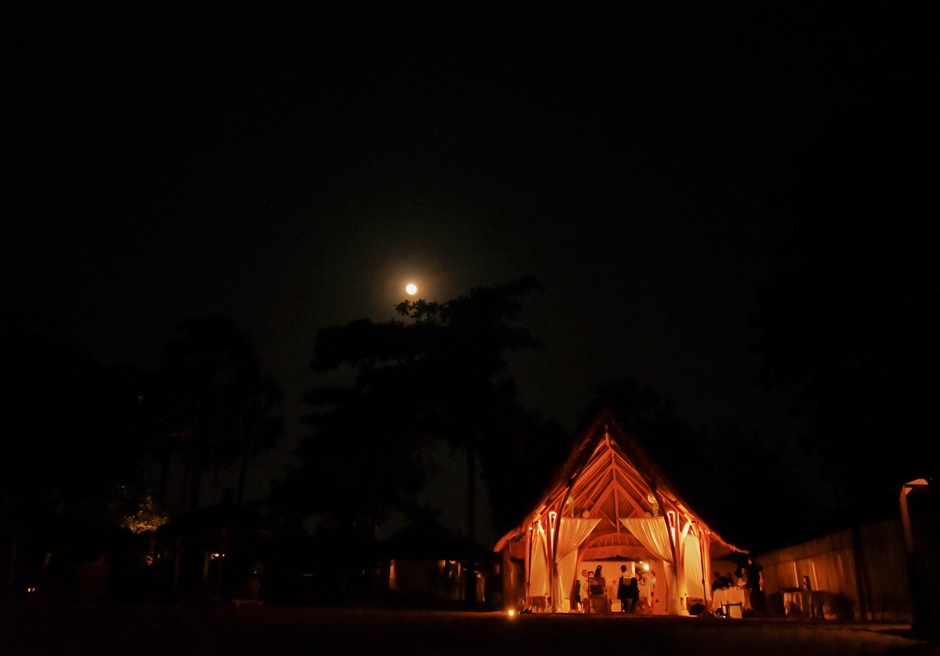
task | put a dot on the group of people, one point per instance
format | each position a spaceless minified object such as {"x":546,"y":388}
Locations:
{"x":729,"y":580}
{"x":749,"y":576}
{"x":628,"y":588}
{"x":628,"y":591}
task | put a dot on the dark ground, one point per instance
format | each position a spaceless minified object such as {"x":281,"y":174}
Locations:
{"x":179,"y":629}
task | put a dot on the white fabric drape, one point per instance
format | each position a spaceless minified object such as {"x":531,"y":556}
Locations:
{"x":538,"y":574}
{"x":692,"y":567}
{"x":572,"y":532}
{"x":565,"y":575}
{"x":652,"y":534}
{"x":706,"y":551}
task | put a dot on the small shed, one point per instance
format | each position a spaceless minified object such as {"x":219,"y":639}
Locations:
{"x":427,"y":564}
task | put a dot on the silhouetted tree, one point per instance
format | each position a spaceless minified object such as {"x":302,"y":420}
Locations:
{"x":521,"y":465}
{"x":739,"y":481}
{"x":438,"y":374}
{"x":762,"y":495}
{"x":668,"y":438}
{"x":851,"y":326}
{"x":71,"y":436}
{"x":215,"y":406}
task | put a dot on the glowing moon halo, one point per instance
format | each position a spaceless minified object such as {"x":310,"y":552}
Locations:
{"x":411,"y":288}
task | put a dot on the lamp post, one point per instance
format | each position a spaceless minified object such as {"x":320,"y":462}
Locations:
{"x":920,"y":518}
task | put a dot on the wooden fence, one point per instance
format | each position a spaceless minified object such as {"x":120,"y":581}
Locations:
{"x":863,"y":570}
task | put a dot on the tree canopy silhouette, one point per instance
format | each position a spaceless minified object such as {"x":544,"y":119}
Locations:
{"x":439,"y":373}
{"x":852,"y":325}
{"x":739,"y":482}
{"x":71,"y":435}
{"x":215,"y":406}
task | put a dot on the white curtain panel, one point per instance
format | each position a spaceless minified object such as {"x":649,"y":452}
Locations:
{"x":652,"y":534}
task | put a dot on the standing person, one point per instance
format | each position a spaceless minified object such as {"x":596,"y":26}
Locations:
{"x":633,"y":592}
{"x":651,"y":589}
{"x":643,"y":604}
{"x":755,"y":582}
{"x":623,"y":588}
{"x":597,"y":583}
{"x":592,"y":588}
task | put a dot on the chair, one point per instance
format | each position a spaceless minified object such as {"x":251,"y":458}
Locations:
{"x":599,"y":604}
{"x":597,"y":596}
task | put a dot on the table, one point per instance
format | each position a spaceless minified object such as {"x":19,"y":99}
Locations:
{"x":723,"y":597}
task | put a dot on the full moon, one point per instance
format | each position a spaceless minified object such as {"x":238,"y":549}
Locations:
{"x":411,"y":288}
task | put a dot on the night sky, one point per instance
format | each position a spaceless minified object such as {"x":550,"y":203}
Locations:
{"x":293,"y":168}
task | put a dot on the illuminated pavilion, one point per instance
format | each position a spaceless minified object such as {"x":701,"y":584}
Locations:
{"x":609,"y":503}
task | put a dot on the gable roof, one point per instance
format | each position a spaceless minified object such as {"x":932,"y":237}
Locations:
{"x":609,"y":476}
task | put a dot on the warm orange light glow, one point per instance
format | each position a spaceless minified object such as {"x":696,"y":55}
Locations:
{"x":411,"y":288}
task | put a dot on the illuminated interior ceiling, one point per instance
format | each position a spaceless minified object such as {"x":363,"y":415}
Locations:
{"x":609,"y":486}
{"x":608,"y":476}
